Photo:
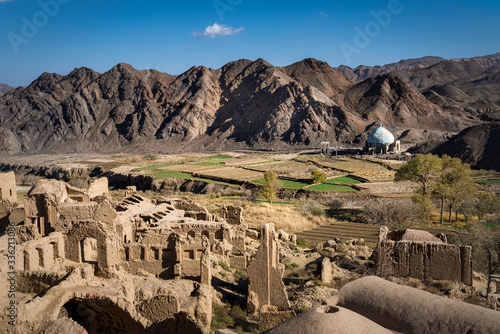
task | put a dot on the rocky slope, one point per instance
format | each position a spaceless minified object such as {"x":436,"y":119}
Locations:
{"x":477,"y":146}
{"x":4,"y":88}
{"x":478,"y":95}
{"x":243,"y":104}
{"x":363,"y":72}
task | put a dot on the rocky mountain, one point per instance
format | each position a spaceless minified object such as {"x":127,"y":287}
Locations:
{"x":478,"y":95}
{"x":363,"y":72}
{"x":477,"y":146}
{"x":4,"y":88}
{"x":243,"y":104}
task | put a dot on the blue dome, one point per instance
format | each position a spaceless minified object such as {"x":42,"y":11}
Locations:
{"x":380,"y":136}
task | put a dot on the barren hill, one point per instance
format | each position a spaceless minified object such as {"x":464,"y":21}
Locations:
{"x":4,"y":88}
{"x":243,"y":104}
{"x":363,"y":72}
{"x":477,"y":146}
{"x":477,"y":95}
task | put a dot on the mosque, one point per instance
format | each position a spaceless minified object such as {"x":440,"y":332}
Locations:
{"x":382,"y":141}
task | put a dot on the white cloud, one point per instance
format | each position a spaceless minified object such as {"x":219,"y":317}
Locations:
{"x":5,"y":0}
{"x":323,"y":14}
{"x":218,"y":30}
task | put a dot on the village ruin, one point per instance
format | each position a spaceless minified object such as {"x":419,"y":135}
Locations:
{"x":87,"y":263}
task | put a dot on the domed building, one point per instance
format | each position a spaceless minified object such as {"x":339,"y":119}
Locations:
{"x":382,"y":141}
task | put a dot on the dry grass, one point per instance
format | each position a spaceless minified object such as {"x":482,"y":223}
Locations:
{"x":284,"y":217}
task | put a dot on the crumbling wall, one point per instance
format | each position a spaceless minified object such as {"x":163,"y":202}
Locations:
{"x":40,"y":254}
{"x":265,"y":275}
{"x":8,"y":190}
{"x":422,"y":259}
{"x":74,"y":212}
{"x":98,"y":188}
{"x":107,"y":245}
{"x":232,"y":214}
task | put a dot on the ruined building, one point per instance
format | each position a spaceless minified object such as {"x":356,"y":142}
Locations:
{"x":8,"y":187}
{"x":418,"y":254}
{"x":137,"y":264}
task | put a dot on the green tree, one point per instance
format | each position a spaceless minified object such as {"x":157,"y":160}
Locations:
{"x":271,"y":186}
{"x":318,"y":176}
{"x":421,"y":169}
{"x":453,"y":184}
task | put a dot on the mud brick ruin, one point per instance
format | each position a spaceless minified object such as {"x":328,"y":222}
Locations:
{"x":418,"y":254}
{"x":8,"y":187}
{"x":135,"y":264}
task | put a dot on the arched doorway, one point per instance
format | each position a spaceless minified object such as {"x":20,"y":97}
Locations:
{"x":100,"y":316}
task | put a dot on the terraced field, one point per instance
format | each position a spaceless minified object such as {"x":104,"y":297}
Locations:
{"x":342,"y":230}
{"x":362,"y":168}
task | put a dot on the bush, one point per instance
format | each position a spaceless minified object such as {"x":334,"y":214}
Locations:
{"x":303,"y":243}
{"x":151,"y":156}
{"x":318,"y":176}
{"x":81,"y":182}
{"x":220,"y":317}
{"x":28,"y":179}
{"x":394,"y":213}
{"x":334,"y":204}
{"x":313,"y":208}
{"x":224,"y":265}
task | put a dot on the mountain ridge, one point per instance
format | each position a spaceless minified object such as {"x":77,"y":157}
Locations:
{"x":242,"y":104}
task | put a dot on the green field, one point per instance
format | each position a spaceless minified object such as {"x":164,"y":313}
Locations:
{"x":330,"y":187}
{"x":169,"y":174}
{"x":344,"y":180}
{"x":489,"y":181}
{"x":154,"y":167}
{"x":287,"y":184}
{"x":217,"y":182}
{"x":208,"y":163}
{"x":219,"y":157}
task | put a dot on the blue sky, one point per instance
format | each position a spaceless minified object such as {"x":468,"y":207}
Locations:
{"x":172,"y":36}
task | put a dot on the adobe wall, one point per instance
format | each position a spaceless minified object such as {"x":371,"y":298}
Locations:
{"x":265,"y":275}
{"x":108,"y":245}
{"x":424,"y":260}
{"x":40,"y":254}
{"x":8,"y":190}
{"x":98,"y":188}
{"x":74,"y":212}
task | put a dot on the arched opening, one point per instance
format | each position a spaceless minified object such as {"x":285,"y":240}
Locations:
{"x":41,"y":259}
{"x":206,"y":234}
{"x":99,"y":316}
{"x":191,"y":234}
{"x":89,"y":250}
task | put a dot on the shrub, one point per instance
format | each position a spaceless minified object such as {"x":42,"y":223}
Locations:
{"x":303,"y":243}
{"x":81,"y":182}
{"x":224,"y":265}
{"x":302,"y":309}
{"x":28,"y":179}
{"x":318,"y":176}
{"x":151,"y":156}
{"x":394,"y":213}
{"x":313,"y":208}
{"x":220,"y":317}
{"x":334,"y":204}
